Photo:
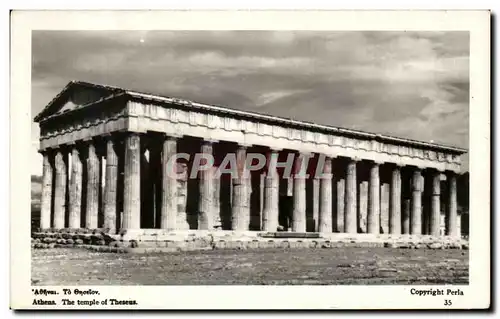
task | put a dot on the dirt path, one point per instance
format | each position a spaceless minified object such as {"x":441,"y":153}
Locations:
{"x":340,"y":266}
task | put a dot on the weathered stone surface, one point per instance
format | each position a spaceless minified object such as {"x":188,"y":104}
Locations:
{"x":236,"y":240}
{"x":340,"y":213}
{"x":351,"y":198}
{"x":206,"y":205}
{"x":451,"y":212}
{"x":373,"y":218}
{"x":93,"y":173}
{"x":61,"y":168}
{"x":416,"y":206}
{"x":169,"y":206}
{"x":110,"y":187}
{"x":325,"y":204}
{"x":75,"y":189}
{"x":395,"y":208}
{"x":46,"y":201}
{"x":132,"y":183}
{"x":299,"y":204}
{"x":384,"y":208}
{"x":240,"y":219}
{"x":181,"y":194}
{"x":435,"y":214}
{"x":406,"y":216}
{"x":363,"y":207}
{"x":271,"y":196}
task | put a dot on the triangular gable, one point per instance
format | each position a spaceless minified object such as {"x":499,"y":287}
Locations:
{"x":74,"y":95}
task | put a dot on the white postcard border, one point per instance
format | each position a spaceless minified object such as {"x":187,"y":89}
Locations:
{"x":476,"y":294}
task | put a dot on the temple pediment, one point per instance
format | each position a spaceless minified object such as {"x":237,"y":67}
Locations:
{"x":76,"y":95}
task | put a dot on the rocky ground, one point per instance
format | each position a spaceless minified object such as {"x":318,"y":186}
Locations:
{"x":342,"y":266}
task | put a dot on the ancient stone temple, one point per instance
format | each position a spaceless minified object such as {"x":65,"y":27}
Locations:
{"x":105,"y":152}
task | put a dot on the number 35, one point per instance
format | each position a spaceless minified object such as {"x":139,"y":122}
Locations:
{"x":447,"y":302}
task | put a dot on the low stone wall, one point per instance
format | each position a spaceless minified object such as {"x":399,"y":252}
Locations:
{"x":154,"y":240}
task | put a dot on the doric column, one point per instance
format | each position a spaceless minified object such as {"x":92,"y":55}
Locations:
{"x":406,"y":216}
{"x":416,"y":206}
{"x":132,"y":183}
{"x":299,"y":197}
{"x":384,"y":207}
{"x":315,"y":204}
{"x":451,"y":213}
{"x":435,"y":215}
{"x":75,"y":188}
{"x":325,"y":202}
{"x":206,"y":205}
{"x":373,"y":218}
{"x":92,"y":200}
{"x":363,"y":207}
{"x":60,"y":188}
{"x":110,"y":186}
{"x":240,"y":218}
{"x":169,"y":184}
{"x":271,"y":195}
{"x":395,"y":209}
{"x":339,"y":227}
{"x":350,"y":198}
{"x":46,"y":202}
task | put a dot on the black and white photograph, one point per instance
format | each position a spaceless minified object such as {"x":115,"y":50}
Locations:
{"x":243,"y":157}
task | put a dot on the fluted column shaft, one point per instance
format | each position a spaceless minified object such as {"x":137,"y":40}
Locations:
{"x":241,"y":196}
{"x":92,"y":201}
{"x":132,"y":183}
{"x":46,"y":202}
{"x":395,"y":209}
{"x":340,"y":205}
{"x":435,"y":216}
{"x":60,"y":188}
{"x":110,"y":187}
{"x":325,"y":202}
{"x":451,"y":214}
{"x":299,"y":198}
{"x":406,"y":215}
{"x":373,"y":218}
{"x":75,"y":189}
{"x":271,"y":196}
{"x":169,"y":184}
{"x":416,"y":206}
{"x":350,"y":198}
{"x":206,"y":205}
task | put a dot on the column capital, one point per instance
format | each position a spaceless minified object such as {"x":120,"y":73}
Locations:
{"x":414,"y":168}
{"x":209,"y":141}
{"x":307,"y":155}
{"x":172,"y":136}
{"x":244,"y":145}
{"x":450,"y":173}
{"x":332,"y":157}
{"x":274,"y":149}
{"x":88,"y":139}
{"x":47,"y":150}
{"x":434,"y":170}
{"x":111,"y":136}
{"x":355,"y":159}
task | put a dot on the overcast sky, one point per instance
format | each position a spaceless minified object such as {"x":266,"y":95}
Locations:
{"x":406,"y":84}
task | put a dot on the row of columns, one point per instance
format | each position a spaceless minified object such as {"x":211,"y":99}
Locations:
{"x":404,"y":217}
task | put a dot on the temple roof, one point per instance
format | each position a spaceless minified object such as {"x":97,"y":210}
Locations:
{"x":97,"y":93}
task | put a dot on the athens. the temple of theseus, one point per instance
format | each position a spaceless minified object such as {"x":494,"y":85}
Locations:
{"x":105,"y":151}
